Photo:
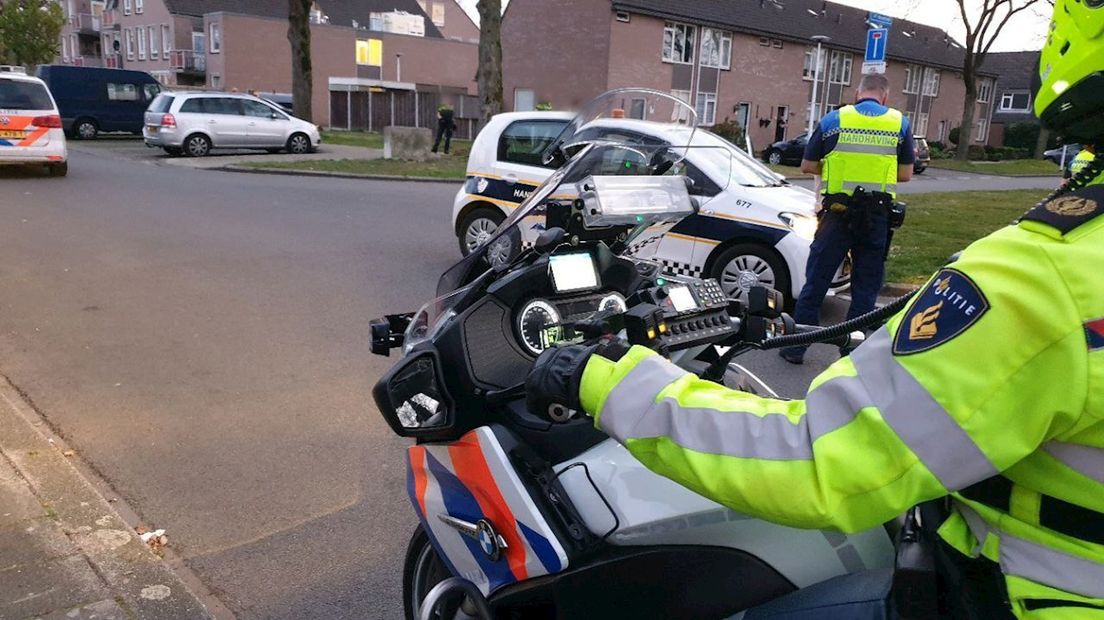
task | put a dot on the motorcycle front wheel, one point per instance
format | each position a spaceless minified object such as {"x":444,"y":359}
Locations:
{"x":423,"y":569}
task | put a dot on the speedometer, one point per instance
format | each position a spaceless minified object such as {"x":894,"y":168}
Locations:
{"x":613,"y":303}
{"x":534,"y":320}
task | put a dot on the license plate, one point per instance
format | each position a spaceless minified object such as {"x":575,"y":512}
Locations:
{"x":153,"y":128}
{"x":9,"y":133}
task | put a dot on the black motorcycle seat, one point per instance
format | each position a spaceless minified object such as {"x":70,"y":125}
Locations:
{"x":858,"y":596}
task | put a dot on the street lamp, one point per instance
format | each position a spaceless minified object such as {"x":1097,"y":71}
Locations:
{"x":820,"y":40}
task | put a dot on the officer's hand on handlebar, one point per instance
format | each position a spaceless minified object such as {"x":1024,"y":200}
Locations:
{"x":552,"y":387}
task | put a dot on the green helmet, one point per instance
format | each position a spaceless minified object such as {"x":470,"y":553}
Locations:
{"x":1070,"y":96}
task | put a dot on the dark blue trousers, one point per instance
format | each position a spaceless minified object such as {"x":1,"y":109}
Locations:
{"x":835,"y":237}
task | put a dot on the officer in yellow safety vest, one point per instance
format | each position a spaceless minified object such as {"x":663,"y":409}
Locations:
{"x":986,"y":392}
{"x":1082,"y":161}
{"x":862,"y":151}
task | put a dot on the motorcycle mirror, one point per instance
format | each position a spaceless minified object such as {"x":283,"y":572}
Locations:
{"x":549,"y":240}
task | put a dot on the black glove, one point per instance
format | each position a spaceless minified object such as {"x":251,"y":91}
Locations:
{"x":552,"y":387}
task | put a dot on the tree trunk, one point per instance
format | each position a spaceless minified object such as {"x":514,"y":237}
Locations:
{"x":966,"y":130}
{"x":489,"y":74}
{"x":1041,"y":143}
{"x":302,"y":74}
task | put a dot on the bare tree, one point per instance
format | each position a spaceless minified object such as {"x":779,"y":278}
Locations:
{"x":302,"y":73}
{"x":489,"y":74}
{"x":983,"y":26}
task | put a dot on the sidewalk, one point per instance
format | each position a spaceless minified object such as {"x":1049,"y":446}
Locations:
{"x":65,"y":552}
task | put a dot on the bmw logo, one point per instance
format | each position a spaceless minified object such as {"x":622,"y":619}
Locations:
{"x":4,"y":120}
{"x":489,"y":540}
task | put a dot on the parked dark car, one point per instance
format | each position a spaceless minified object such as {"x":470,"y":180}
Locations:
{"x":786,"y":152}
{"x":1055,"y":155}
{"x":923,"y":154}
{"x":92,"y":99}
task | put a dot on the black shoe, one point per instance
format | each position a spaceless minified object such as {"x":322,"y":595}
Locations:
{"x":792,"y":356}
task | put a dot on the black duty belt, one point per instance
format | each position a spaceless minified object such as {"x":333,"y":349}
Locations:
{"x":1054,"y":514}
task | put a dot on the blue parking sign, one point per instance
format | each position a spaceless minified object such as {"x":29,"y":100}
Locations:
{"x":876,"y":39}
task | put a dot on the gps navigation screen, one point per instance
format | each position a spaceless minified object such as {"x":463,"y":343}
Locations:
{"x":573,"y":272}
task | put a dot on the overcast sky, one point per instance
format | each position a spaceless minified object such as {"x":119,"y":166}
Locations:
{"x":1025,"y":32}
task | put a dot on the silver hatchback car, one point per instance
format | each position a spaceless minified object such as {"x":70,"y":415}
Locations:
{"x":194,"y":123}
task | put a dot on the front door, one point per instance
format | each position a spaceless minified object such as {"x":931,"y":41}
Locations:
{"x":782,"y":118}
{"x":266,"y":127}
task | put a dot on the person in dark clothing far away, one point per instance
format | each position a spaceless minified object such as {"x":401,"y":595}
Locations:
{"x":446,"y":124}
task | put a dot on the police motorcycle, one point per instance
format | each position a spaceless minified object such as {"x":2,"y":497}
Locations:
{"x":538,"y":514}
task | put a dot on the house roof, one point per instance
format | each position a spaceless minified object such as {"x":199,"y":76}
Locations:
{"x":799,"y":20}
{"x":340,"y":12}
{"x":1016,"y":70}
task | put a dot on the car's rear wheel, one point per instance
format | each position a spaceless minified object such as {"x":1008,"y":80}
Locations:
{"x":744,"y":265}
{"x":59,"y":169}
{"x":197,"y":145}
{"x":774,"y":157}
{"x":86,"y":129}
{"x":478,"y":227}
{"x":298,"y":144}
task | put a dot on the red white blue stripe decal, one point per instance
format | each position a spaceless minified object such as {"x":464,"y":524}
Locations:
{"x":1094,"y":334}
{"x":472,"y":480}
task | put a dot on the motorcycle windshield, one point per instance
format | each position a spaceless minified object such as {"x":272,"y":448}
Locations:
{"x":623,"y":133}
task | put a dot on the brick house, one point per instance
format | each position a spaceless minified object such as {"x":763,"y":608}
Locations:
{"x":1013,"y":93}
{"x":425,"y":50}
{"x":752,"y":61}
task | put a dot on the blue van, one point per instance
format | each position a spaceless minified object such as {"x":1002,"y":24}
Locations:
{"x":91,"y":99}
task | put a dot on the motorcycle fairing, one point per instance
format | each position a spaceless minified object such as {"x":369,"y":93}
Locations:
{"x":472,"y":480}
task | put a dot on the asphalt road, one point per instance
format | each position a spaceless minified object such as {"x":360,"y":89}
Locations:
{"x":201,"y":338}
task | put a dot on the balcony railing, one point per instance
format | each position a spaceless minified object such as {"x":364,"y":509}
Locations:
{"x":110,"y":18}
{"x":87,"y":61}
{"x":188,"y":61}
{"x":87,"y":22}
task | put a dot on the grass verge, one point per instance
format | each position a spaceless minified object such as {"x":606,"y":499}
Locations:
{"x":1011,"y":168}
{"x":367,"y":139}
{"x":443,"y":168}
{"x":938,"y":225}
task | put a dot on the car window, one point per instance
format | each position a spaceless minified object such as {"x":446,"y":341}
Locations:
{"x":151,"y":90}
{"x":194,"y":106}
{"x":524,"y":142}
{"x":258,"y":109}
{"x":163,"y":103}
{"x":20,"y":95}
{"x":122,"y":92}
{"x":222,"y":105}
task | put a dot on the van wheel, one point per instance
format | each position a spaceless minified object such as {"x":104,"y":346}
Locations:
{"x":478,"y":227}
{"x":299,"y":144}
{"x":59,"y":170}
{"x":86,"y":129}
{"x":197,"y":145}
{"x":745,"y":265}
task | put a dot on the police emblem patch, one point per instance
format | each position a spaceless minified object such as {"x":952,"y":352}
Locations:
{"x":481,"y":185}
{"x":949,"y":305}
{"x":1072,"y":206}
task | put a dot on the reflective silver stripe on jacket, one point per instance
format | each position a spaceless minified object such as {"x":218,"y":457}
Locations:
{"x":889,"y":187}
{"x":866,"y":149}
{"x":632,"y":413}
{"x":921,"y":422}
{"x":1038,"y":563}
{"x":1085,"y":460}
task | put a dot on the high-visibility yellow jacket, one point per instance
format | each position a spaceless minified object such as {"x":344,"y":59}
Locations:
{"x":996,"y":367}
{"x":1079,"y":163}
{"x":865,"y":153}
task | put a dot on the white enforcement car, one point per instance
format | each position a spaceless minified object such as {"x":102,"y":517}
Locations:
{"x":755,"y":227}
{"x":30,"y":126}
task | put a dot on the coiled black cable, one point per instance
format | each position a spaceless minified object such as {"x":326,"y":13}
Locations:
{"x":840,"y":329}
{"x":1078,"y":181}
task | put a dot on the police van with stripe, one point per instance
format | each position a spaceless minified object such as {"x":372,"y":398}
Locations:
{"x":30,"y":126}
{"x":755,"y":228}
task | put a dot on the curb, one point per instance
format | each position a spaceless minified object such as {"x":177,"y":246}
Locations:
{"x":336,"y":175}
{"x":102,"y":530}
